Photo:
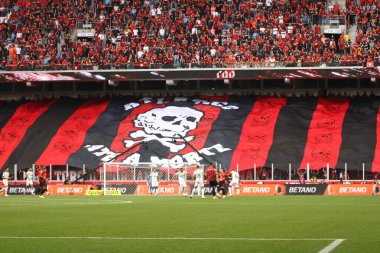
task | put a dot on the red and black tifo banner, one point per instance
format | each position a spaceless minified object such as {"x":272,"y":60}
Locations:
{"x":235,"y":131}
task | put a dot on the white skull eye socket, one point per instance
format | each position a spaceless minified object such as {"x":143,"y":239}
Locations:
{"x":191,"y":119}
{"x":169,"y":118}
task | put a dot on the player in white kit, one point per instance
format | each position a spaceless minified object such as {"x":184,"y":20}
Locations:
{"x":29,"y":181}
{"x":5,"y":178}
{"x":199,"y":184}
{"x":153,"y":182}
{"x":182,"y":177}
{"x":234,"y":183}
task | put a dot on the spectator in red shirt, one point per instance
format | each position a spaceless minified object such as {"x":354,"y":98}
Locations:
{"x":184,"y":33}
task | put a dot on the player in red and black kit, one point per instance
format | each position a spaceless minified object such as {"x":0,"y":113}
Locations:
{"x":42,"y":178}
{"x":211,"y":177}
{"x":222,"y":179}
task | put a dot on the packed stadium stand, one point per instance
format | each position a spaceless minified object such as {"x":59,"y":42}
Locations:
{"x":210,"y":100}
{"x":284,"y":54}
{"x":121,"y":34}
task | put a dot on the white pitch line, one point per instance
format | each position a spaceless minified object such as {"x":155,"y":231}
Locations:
{"x":92,"y":203}
{"x":331,"y":246}
{"x":114,"y":202}
{"x":169,"y":238}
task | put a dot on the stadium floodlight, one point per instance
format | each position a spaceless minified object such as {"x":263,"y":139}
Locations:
{"x":30,"y":84}
{"x":99,"y":77}
{"x":171,"y":82}
{"x":287,"y":80}
{"x":87,"y":74}
{"x":373,"y":79}
{"x":113,"y":83}
{"x":227,"y":82}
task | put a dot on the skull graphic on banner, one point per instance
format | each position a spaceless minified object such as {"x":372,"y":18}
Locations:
{"x":165,"y":125}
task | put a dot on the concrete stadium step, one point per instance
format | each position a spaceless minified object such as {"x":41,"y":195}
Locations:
{"x":352,"y":31}
{"x":342,"y":4}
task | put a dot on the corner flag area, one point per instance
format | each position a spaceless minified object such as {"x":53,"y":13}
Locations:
{"x":179,"y":224}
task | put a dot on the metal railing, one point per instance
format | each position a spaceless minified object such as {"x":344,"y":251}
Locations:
{"x":182,"y":65}
{"x":272,"y":172}
{"x":326,"y":174}
{"x":132,"y":66}
{"x":85,"y":25}
{"x":334,"y":21}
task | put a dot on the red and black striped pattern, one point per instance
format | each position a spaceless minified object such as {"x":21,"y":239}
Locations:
{"x":234,"y":130}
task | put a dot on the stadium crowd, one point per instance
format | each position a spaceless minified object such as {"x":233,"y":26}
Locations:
{"x":41,"y":34}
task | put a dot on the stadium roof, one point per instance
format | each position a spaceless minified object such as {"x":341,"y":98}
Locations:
{"x":191,"y":74}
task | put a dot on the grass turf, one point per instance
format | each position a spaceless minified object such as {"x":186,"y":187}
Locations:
{"x":355,"y":219}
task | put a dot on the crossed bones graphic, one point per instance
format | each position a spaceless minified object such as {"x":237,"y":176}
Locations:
{"x":166,"y":141}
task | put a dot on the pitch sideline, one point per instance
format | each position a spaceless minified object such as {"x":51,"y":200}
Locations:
{"x":335,"y":241}
{"x":331,"y":246}
{"x":327,"y":249}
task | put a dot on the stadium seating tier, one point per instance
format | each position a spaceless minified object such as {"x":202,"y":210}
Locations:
{"x":41,"y":34}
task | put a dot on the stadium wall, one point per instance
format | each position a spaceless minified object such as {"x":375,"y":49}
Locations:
{"x":171,"y":189}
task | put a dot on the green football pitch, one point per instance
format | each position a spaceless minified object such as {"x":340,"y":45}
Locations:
{"x":178,"y":224}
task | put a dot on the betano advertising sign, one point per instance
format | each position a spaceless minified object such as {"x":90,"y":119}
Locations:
{"x":70,"y":189}
{"x":58,"y":190}
{"x":353,"y":190}
{"x":303,"y":189}
{"x":172,"y":189}
{"x":259,"y":190}
{"x":165,"y":190}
